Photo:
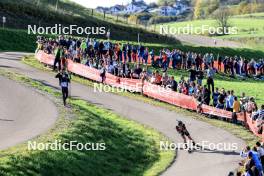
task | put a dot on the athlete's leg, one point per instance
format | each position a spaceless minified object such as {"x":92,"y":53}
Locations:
{"x":191,"y":139}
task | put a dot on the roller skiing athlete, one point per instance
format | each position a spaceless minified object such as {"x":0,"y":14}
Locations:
{"x":64,"y":80}
{"x":181,"y":129}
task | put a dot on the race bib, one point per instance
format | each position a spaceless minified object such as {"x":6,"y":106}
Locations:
{"x":64,"y":84}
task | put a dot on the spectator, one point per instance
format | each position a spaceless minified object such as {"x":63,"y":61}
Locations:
{"x":173,"y":84}
{"x":259,"y":114}
{"x":185,"y":89}
{"x":137,"y":72}
{"x":58,"y":54}
{"x":193,"y":74}
{"x":250,"y":167}
{"x":219,"y":63}
{"x":236,"y":109}
{"x":210,"y":78}
{"x":158,"y":78}
{"x":215,"y":96}
{"x":103,"y":73}
{"x":206,"y":95}
{"x":230,"y":100}
{"x":221,"y":99}
{"x":251,"y":106}
{"x":200,"y":77}
{"x":260,"y":151}
{"x":192,"y":89}
{"x":165,"y":79}
{"x":257,"y":163}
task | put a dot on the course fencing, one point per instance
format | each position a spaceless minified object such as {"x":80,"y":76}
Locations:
{"x":151,"y":90}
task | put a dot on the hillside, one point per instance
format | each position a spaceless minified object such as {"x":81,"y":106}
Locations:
{"x":21,"y":13}
{"x":251,"y":36}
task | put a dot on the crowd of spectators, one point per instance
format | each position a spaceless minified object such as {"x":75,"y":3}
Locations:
{"x":116,"y":59}
{"x":253,"y":160}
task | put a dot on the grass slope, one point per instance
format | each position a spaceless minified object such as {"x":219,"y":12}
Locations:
{"x":131,"y":149}
{"x":237,"y":130}
{"x":21,"y":13}
{"x":17,"y":40}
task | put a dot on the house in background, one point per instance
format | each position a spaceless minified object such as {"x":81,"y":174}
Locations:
{"x":136,"y":6}
{"x":167,"y":11}
{"x":102,"y":9}
{"x":174,"y":10}
{"x":116,"y":9}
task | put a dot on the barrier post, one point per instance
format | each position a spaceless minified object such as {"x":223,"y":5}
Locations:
{"x":245,"y":120}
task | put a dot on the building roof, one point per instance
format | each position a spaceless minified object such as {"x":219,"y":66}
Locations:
{"x":138,"y":3}
{"x":118,"y":7}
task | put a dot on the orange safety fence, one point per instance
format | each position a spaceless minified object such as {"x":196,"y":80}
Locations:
{"x":252,"y":125}
{"x":151,"y":90}
{"x":216,"y":111}
{"x":169,"y":96}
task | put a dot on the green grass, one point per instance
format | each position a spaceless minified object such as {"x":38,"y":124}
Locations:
{"x":131,"y":149}
{"x":237,"y":130}
{"x":252,"y":15}
{"x":17,"y":40}
{"x":250,"y":29}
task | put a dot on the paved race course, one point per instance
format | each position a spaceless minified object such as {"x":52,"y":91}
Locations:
{"x":199,"y":163}
{"x":24,"y":113}
{"x":199,"y":40}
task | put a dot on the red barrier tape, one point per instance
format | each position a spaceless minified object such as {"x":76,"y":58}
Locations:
{"x":151,"y":90}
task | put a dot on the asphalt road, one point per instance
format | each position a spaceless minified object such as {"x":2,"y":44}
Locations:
{"x":198,"y":163}
{"x":199,"y":40}
{"x":24,"y":113}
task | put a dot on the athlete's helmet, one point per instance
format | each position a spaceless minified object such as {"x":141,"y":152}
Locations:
{"x":180,"y":123}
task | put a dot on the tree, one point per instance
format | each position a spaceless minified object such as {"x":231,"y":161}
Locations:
{"x":197,"y":9}
{"x":211,"y":6}
{"x":222,"y":16}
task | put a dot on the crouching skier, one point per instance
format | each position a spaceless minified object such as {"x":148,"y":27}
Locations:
{"x":182,"y":130}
